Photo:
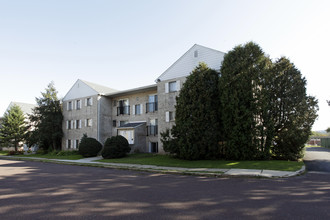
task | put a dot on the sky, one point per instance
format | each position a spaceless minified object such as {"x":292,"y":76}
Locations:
{"x":127,"y":44}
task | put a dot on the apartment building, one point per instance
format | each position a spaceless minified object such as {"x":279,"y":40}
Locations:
{"x":139,"y":114}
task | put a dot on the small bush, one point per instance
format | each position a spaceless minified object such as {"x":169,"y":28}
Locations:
{"x":67,"y":153}
{"x":115,"y":147}
{"x":89,"y":147}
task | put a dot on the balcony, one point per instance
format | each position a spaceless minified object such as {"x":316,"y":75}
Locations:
{"x":123,"y":110}
{"x":152,"y":130}
{"x":151,"y":107}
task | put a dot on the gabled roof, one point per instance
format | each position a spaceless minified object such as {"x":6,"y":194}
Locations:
{"x":25,"y":107}
{"x":82,"y":88}
{"x":189,"y":60}
{"x":99,"y":88}
{"x":133,"y":91}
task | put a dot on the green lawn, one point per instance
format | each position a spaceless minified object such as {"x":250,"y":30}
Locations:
{"x":164,"y":160}
{"x":54,"y":156}
{"x":307,"y":146}
{"x":3,"y":153}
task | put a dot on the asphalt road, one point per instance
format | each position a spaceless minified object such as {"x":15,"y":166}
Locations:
{"x":317,"y":159}
{"x":36,"y":190}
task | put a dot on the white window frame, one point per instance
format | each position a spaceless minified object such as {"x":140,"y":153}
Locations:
{"x":89,"y":122}
{"x":78,"y":107}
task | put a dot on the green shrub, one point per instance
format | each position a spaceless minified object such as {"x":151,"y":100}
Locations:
{"x":89,"y":147}
{"x":67,"y":153}
{"x":115,"y":147}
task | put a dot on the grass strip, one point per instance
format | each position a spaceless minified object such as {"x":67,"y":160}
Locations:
{"x":168,"y":161}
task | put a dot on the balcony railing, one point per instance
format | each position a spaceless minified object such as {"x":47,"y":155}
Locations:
{"x":151,"y":107}
{"x":123,"y":110}
{"x":152,"y":130}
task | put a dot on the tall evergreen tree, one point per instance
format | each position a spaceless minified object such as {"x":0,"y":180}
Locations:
{"x":13,"y":128}
{"x":196,"y":133}
{"x":293,"y":111}
{"x":47,"y":119}
{"x":244,"y":73}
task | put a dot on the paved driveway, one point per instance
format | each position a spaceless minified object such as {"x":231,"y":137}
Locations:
{"x":317,"y":159}
{"x":36,"y":190}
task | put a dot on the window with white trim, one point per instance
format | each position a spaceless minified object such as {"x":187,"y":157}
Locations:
{"x":78,"y":104}
{"x":77,"y":144}
{"x":68,"y":144}
{"x":69,"y":106}
{"x":89,"y":101}
{"x":78,"y":124}
{"x":89,"y":122}
{"x":172,"y":86}
{"x":137,"y":109}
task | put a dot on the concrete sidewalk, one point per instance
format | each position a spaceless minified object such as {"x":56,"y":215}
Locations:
{"x":92,"y":161}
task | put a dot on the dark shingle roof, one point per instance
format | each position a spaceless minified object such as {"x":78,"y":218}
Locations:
{"x":132,"y":125}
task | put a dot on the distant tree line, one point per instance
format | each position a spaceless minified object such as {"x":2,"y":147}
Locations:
{"x":253,"y":109}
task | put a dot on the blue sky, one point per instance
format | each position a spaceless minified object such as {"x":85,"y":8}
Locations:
{"x":127,"y":44}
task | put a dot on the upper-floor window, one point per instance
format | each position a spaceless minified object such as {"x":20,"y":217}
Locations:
{"x":170,"y":116}
{"x":138,"y":109}
{"x":89,"y":101}
{"x":78,"y":124}
{"x":89,"y":122}
{"x":123,"y":108}
{"x":172,"y":86}
{"x":69,"y":106}
{"x":69,"y":125}
{"x":78,"y":104}
{"x":152,"y":105}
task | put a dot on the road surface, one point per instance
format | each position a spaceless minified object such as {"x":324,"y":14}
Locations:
{"x":37,"y":190}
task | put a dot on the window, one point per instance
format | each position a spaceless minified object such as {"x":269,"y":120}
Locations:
{"x":172,"y":86}
{"x":78,"y":124}
{"x":69,"y":125}
{"x":153,"y":147}
{"x":78,"y":104}
{"x":89,"y":122}
{"x":196,"y":53}
{"x":172,"y":116}
{"x":69,"y":106}
{"x":89,"y":101}
{"x":68,"y":144}
{"x":123,"y":108}
{"x":77,"y":144}
{"x":138,"y":109}
{"x":114,"y":123}
{"x":152,"y":129}
{"x":152,"y":105}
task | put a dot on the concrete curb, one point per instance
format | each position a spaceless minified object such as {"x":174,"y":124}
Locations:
{"x":170,"y":170}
